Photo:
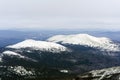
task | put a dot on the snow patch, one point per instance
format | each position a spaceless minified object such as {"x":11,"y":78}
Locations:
{"x":11,"y":53}
{"x":64,"y":71}
{"x":20,"y":70}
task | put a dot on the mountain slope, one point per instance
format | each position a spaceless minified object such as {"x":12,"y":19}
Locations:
{"x":86,"y":40}
{"x":10,"y":53}
{"x":81,"y":55}
{"x":112,"y":73}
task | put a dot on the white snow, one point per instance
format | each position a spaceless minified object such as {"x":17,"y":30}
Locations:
{"x":39,"y":45}
{"x":86,"y":40}
{"x":14,"y":54}
{"x":11,"y":53}
{"x":64,"y":71}
{"x":20,"y":70}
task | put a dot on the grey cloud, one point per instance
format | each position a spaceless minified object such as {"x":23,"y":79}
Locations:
{"x":60,"y":14}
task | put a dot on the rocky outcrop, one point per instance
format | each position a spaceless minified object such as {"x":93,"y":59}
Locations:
{"x":103,"y":74}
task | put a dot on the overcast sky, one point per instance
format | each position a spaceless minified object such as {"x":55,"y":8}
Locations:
{"x":60,"y":14}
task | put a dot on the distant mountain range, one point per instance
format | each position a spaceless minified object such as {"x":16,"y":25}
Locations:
{"x":8,"y":37}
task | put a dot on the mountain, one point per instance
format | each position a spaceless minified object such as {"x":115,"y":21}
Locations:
{"x":39,"y":45}
{"x":60,"y":56}
{"x":31,"y":50}
{"x":8,"y":37}
{"x":86,"y":40}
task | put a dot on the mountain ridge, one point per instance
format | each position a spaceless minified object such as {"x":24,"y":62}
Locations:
{"x":86,"y":40}
{"x":39,"y":45}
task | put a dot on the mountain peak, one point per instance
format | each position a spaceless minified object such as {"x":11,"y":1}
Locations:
{"x":86,"y":40}
{"x":39,"y":45}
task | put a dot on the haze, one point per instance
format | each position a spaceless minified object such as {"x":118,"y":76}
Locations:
{"x":60,"y":14}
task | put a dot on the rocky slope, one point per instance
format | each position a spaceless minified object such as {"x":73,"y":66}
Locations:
{"x":103,"y":74}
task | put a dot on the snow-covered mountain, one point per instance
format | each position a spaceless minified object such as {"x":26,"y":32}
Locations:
{"x":39,"y":45}
{"x":102,"y":43}
{"x":21,"y":49}
{"x":76,"y":54}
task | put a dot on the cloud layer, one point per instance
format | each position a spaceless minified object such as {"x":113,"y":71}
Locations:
{"x":50,"y":14}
